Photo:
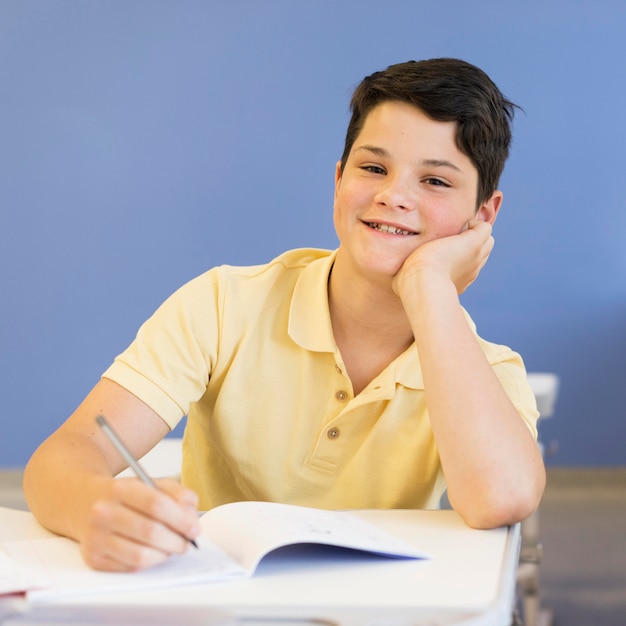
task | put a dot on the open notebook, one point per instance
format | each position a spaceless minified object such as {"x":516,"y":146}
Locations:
{"x":235,"y":537}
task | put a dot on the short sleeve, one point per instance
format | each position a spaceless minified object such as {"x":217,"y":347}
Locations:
{"x":169,"y":363}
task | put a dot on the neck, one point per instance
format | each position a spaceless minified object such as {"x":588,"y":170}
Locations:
{"x":369,"y":323}
{"x":366,"y":303}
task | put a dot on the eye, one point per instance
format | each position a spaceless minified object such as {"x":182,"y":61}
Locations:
{"x":436,"y":182}
{"x":374,"y":169}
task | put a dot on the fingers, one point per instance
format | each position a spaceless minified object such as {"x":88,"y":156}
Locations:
{"x":104,"y":550}
{"x":473,"y":254}
{"x":457,"y":258}
{"x":185,"y":497}
{"x":479,"y":226}
{"x":137,"y":527}
{"x":485,"y":241}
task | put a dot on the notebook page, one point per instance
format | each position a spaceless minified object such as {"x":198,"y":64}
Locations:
{"x":57,"y":561}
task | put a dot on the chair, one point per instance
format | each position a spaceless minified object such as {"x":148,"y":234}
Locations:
{"x":545,"y":386}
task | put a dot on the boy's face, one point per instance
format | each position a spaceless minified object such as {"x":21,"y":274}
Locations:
{"x":404,"y":183}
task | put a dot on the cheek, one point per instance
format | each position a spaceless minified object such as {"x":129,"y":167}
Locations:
{"x":446,"y":228}
{"x":344,"y":199}
{"x":339,"y":215}
{"x":337,"y":204}
{"x":445,"y":222}
{"x":336,"y":219}
{"x":344,"y":194}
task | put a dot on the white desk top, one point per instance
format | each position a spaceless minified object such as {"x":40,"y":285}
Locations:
{"x":469,"y":580}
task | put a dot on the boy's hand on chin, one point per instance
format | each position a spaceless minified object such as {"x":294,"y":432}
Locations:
{"x":456,"y":258}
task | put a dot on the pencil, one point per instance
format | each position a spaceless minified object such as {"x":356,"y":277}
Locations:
{"x":128,"y":457}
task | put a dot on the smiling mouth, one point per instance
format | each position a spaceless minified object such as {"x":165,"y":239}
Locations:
{"x":386,"y":228}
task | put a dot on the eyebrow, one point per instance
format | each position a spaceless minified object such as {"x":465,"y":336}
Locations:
{"x":374,"y":149}
{"x":427,"y":162}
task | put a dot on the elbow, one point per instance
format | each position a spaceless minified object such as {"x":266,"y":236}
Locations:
{"x":493,"y":507}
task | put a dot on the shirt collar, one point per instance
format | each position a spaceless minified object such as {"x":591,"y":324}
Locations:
{"x":408,"y":369}
{"x":309,"y":314}
{"x":310,"y":327}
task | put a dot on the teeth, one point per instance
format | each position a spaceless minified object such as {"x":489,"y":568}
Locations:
{"x":389,"y":229}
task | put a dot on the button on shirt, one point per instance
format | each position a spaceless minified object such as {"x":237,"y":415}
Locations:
{"x":248,"y":354}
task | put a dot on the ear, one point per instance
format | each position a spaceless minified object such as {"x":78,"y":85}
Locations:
{"x":337,"y":177}
{"x":488,"y":210}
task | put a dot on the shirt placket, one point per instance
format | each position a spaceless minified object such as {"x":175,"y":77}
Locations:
{"x":339,"y":424}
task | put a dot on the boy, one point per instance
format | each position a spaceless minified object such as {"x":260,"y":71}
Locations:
{"x":343,"y":379}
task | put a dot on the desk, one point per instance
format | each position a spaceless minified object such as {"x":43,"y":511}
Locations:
{"x":469,"y":580}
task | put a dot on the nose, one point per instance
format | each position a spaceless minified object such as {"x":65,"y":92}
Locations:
{"x":396,"y":192}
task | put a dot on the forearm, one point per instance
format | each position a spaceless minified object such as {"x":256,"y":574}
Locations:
{"x":491,"y":461}
{"x":121,"y":524}
{"x":63,"y":479}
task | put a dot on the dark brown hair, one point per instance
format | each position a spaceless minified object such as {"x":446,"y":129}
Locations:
{"x":447,"y":90}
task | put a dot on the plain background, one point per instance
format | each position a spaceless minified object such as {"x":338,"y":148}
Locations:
{"x":145,"y":141}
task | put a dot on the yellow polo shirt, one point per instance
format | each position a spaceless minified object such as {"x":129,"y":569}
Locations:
{"x":248,"y":354}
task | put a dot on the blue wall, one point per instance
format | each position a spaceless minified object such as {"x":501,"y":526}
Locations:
{"x":142,"y":142}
